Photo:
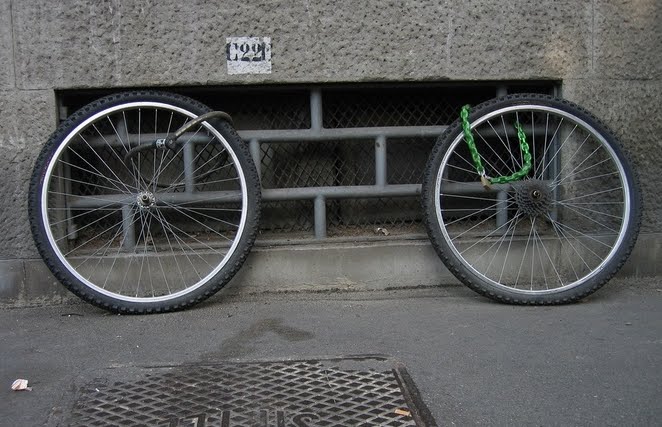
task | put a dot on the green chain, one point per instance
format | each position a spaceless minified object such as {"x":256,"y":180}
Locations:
{"x":523,"y":145}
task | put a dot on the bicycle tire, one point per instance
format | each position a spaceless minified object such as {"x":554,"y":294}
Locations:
{"x":156,"y":232}
{"x":553,"y":237}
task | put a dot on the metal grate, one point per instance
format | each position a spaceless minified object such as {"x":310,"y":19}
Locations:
{"x":330,"y":137}
{"x":343,"y":392}
{"x":396,"y":106}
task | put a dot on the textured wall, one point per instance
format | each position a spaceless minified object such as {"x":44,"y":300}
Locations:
{"x":608,"y":54}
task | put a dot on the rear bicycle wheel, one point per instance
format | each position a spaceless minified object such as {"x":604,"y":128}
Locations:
{"x":135,"y":226}
{"x":554,"y":236}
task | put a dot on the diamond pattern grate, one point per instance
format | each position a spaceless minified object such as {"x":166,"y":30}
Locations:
{"x":342,"y":392}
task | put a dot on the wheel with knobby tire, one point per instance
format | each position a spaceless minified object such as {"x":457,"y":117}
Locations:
{"x":547,"y":227}
{"x":134,"y":220}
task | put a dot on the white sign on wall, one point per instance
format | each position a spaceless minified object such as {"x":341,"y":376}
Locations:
{"x":248,"y":55}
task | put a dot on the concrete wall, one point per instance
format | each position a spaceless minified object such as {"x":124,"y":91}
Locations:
{"x":608,"y":53}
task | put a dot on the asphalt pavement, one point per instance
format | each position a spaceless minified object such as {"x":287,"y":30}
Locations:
{"x":475,"y":362}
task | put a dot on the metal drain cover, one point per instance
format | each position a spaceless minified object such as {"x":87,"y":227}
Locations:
{"x":352,"y":391}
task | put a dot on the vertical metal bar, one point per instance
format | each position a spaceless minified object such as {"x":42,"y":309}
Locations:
{"x":320,"y":217}
{"x":189,"y":168}
{"x":316,"y":109}
{"x":502,"y":90}
{"x":128,"y":229}
{"x":254,"y":147}
{"x":380,"y":161}
{"x":502,"y":210}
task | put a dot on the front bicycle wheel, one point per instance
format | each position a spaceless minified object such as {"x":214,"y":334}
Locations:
{"x":134,"y":225}
{"x":553,"y":236}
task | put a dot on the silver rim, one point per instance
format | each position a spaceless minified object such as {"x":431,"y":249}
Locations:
{"x":150,"y":227}
{"x":550,"y":232}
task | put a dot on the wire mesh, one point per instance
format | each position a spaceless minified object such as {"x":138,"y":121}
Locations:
{"x":300,"y":164}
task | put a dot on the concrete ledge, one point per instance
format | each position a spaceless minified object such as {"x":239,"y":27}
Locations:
{"x":307,"y":267}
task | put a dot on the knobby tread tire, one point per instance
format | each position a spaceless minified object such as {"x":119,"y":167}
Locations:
{"x":126,"y":307}
{"x":475,"y":282}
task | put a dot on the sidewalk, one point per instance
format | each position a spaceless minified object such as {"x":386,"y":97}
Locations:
{"x":598,"y":362}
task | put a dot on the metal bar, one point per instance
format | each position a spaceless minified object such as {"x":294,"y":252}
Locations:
{"x":380,"y":161}
{"x":320,"y":217}
{"x":296,"y":135}
{"x":254,"y":147}
{"x":189,"y":168}
{"x":300,"y":193}
{"x":270,"y":194}
{"x":316,"y":109}
{"x":288,"y":135}
{"x":128,"y":229}
{"x":502,"y":210}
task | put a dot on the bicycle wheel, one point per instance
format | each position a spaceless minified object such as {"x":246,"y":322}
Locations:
{"x":134,"y":225}
{"x":553,"y":236}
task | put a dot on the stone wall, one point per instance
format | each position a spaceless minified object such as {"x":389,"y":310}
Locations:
{"x":608,"y":54}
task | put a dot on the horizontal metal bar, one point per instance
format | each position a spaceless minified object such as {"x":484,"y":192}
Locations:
{"x":281,"y":194}
{"x":270,"y":194}
{"x":295,"y":135}
{"x":283,"y":135}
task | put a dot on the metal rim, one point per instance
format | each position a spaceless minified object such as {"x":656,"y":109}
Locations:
{"x":91,"y":120}
{"x":578,"y":123}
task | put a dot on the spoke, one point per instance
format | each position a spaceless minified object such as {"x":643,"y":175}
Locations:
{"x":171,"y":227}
{"x":199,"y":222}
{"x":172,"y":251}
{"x":102,"y":161}
{"x":201,"y":214}
{"x":561,"y":236}
{"x":583,"y":170}
{"x":179,"y":151}
{"x":460,"y":196}
{"x":506,"y":146}
{"x":108,"y":201}
{"x":512,"y":226}
{"x":591,"y":219}
{"x":84,"y":227}
{"x":163,"y":156}
{"x":98,"y":172}
{"x":105,"y":248}
{"x":548,"y":144}
{"x":472,"y":172}
{"x":579,"y":233}
{"x":491,"y":234}
{"x":81,"y":214}
{"x":91,"y":239}
{"x":526,"y":248}
{"x":479,"y":211}
{"x":569,"y":161}
{"x":511,"y":171}
{"x":204,"y":164}
{"x":135,"y":219}
{"x":592,"y":194}
{"x":590,"y":210}
{"x":480,"y":223}
{"x":209,"y":199}
{"x":553,"y":264}
{"x":112,"y":181}
{"x":121,"y":160}
{"x":542,"y":264}
{"x":559,"y":149}
{"x":126,"y":147}
{"x":510,"y":243}
{"x":64,"y":178}
{"x":158,"y":258}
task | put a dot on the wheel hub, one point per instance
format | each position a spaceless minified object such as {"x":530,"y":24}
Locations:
{"x":533,"y":197}
{"x":145,"y":199}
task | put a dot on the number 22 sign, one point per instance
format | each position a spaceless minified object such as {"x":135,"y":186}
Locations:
{"x":248,"y":55}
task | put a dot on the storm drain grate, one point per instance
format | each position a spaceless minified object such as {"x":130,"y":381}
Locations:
{"x":335,"y":392}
